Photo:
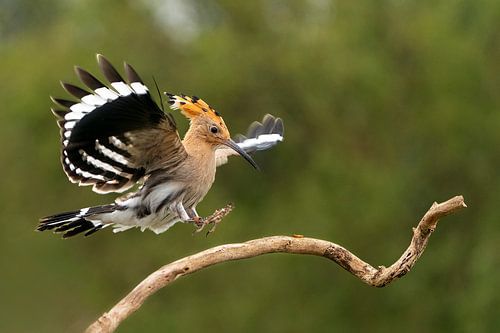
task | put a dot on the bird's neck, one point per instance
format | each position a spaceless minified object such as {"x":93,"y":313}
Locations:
{"x":197,"y":146}
{"x":201,"y":160}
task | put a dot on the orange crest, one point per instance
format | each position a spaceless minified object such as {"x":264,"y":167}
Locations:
{"x":193,"y":107}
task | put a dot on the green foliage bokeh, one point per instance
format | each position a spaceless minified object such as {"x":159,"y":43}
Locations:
{"x":388,"y":106}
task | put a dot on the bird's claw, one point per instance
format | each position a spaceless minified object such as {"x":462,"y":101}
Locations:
{"x":214,"y":225}
{"x":199,"y":221}
{"x":213,"y":219}
{"x":202,"y":222}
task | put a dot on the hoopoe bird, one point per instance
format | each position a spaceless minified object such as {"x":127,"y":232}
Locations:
{"x":116,"y":136}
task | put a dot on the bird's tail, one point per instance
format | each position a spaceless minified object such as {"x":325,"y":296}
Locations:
{"x":75,"y":222}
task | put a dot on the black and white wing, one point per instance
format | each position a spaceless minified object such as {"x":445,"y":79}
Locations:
{"x":260,"y":136}
{"x":114,"y":134}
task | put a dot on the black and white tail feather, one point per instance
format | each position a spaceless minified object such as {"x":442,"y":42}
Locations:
{"x":100,"y":147}
{"x":75,"y":222}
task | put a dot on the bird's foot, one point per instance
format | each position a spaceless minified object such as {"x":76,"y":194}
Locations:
{"x":213,"y":219}
{"x":198,"y":221}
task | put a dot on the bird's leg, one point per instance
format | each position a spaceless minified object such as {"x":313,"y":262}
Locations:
{"x":181,"y":212}
{"x":189,"y":215}
{"x":193,"y":216}
{"x":199,"y":221}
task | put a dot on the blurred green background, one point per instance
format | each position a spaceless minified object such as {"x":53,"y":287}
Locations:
{"x":388,"y":106}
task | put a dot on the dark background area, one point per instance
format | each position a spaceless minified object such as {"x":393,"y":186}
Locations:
{"x":388,"y":106}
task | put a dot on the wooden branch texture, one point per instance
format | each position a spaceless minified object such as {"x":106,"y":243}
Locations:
{"x":377,"y":277}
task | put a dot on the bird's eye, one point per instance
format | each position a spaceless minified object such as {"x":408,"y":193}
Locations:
{"x":214,"y":129}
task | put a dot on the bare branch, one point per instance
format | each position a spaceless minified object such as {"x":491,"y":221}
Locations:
{"x":377,"y":277}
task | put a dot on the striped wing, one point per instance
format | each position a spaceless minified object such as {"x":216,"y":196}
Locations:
{"x":260,"y":136}
{"x":115,"y":134}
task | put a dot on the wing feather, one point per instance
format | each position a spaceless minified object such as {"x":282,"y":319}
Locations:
{"x":114,"y":136}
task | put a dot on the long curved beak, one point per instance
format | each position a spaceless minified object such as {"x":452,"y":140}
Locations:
{"x":231,"y":144}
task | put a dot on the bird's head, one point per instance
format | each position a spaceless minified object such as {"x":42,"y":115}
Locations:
{"x":206,"y":123}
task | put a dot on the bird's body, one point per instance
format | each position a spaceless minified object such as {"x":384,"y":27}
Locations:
{"x":115,"y":138}
{"x":156,"y":205}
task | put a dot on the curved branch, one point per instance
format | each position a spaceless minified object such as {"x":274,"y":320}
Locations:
{"x":377,"y":277}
